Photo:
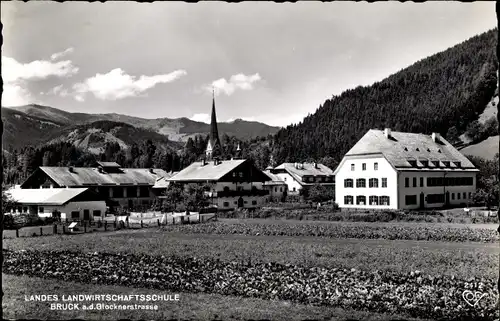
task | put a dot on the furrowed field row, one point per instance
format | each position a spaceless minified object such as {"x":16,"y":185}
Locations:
{"x":358,"y":231}
{"x":413,"y":294}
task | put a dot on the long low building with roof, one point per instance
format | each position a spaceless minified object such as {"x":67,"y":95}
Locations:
{"x":120,"y":187}
{"x":397,"y":170}
{"x":303,"y":175}
{"x":67,"y":203}
{"x":235,"y":183}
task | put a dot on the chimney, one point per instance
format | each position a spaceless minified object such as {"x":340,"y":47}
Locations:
{"x":387,"y":133}
{"x":151,"y":170}
{"x":315,"y":165}
{"x":71,"y":169}
{"x":296,"y":165}
{"x":203,"y":162}
{"x":436,"y":137}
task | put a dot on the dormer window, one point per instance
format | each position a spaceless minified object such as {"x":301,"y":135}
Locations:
{"x":457,"y":164}
{"x":425,"y":163}
{"x":429,"y":150}
{"x":439,"y":150}
{"x":417,"y":149}
{"x":435,"y":163}
{"x":446,"y":164}
{"x":413,"y":163}
{"x":406,"y":149}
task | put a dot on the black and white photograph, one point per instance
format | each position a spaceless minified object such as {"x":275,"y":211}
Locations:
{"x":250,"y":161}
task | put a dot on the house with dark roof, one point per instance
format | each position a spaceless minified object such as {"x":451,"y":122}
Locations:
{"x":68,"y":203}
{"x":120,"y":187}
{"x":397,"y":170}
{"x":303,"y":175}
{"x":235,"y":183}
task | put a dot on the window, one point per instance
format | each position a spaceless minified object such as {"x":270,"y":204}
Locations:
{"x":465,"y":195}
{"x":275,"y":189}
{"x":363,"y":166}
{"x":452,"y":196}
{"x":254,"y":202}
{"x":407,"y":182}
{"x":348,"y":200}
{"x":117,"y":192}
{"x":360,"y":200}
{"x":373,"y":200}
{"x":384,"y":200}
{"x":235,"y":202}
{"x":421,"y":182}
{"x":281,"y":189}
{"x":294,"y":189}
{"x":384,"y":182}
{"x":414,"y":182}
{"x":411,"y":199}
{"x":241,"y":174}
{"x":435,"y":198}
{"x":234,"y":174}
{"x":226,"y":204}
{"x":373,"y":182}
{"x":470,"y":195}
{"x":144,"y":191}
{"x":424,"y":163}
{"x":25,"y":210}
{"x":75,"y":215}
{"x":361,"y":182}
{"x":375,"y":166}
{"x":132,"y":191}
{"x":458,"y":196}
{"x":352,"y":167}
{"x":40,"y":210}
{"x":348,"y":182}
{"x":96,"y":213}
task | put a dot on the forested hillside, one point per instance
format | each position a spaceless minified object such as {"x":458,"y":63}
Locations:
{"x":443,"y":93}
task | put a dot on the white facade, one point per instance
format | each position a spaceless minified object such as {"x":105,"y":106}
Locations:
{"x":405,"y":189}
{"x":293,"y":185}
{"x":88,"y":210}
{"x":376,"y":167}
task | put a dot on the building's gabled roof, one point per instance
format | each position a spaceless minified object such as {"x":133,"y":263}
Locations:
{"x":305,"y":169}
{"x":275,"y":180}
{"x":401,"y":148}
{"x":163,"y":182}
{"x":86,"y":176}
{"x":44,"y":196}
{"x":208,"y":172}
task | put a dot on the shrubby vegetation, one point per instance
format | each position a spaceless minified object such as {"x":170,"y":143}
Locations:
{"x":487,"y":187}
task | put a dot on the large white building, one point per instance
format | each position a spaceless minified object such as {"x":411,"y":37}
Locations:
{"x":395,"y":170}
{"x":299,"y":175}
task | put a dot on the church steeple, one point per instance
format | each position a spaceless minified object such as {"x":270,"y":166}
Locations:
{"x":214,"y":145}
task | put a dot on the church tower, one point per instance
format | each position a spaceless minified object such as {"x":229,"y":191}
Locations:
{"x":214,"y":148}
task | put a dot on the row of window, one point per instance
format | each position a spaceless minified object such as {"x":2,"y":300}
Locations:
{"x":361,"y":182}
{"x":441,"y":181}
{"x":226,"y":204}
{"x":312,"y":179}
{"x":119,"y":192}
{"x":435,"y":163}
{"x":361,"y":200}
{"x":363,"y":167}
{"x":435,"y":198}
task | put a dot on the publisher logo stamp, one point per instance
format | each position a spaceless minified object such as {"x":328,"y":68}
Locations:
{"x":473,"y":298}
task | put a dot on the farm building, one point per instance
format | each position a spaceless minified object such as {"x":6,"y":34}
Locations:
{"x":277,"y":188}
{"x":120,"y":187}
{"x":397,"y":170}
{"x":235,"y":183}
{"x":303,"y":175}
{"x":71,"y":203}
{"x":161,"y":185}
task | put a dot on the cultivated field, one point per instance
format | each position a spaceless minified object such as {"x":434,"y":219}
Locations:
{"x":284,"y":269}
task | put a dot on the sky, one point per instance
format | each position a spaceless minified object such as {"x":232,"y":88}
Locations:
{"x":268,"y":62}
